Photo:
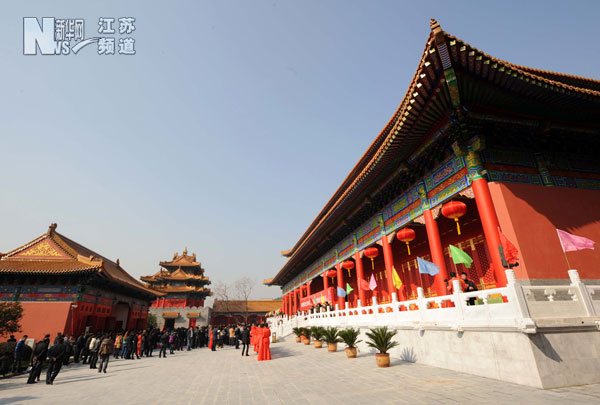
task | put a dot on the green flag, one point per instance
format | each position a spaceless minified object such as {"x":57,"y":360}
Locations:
{"x":459,"y":256}
{"x":349,"y":289}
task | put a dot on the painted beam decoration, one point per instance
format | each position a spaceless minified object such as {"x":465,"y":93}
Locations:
{"x":448,"y":179}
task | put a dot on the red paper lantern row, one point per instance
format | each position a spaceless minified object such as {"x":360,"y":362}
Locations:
{"x":406,"y":235}
{"x":348,"y":265}
{"x":454,"y":210}
{"x":372,"y":253}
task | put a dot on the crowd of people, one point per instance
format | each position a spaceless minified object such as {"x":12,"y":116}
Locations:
{"x":96,"y":349}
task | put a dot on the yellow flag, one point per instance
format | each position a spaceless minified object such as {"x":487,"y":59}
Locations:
{"x":396,"y":278}
{"x":323,"y":299}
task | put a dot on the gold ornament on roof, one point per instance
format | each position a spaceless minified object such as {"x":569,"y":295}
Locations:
{"x":41,"y":249}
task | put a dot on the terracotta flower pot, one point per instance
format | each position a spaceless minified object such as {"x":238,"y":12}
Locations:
{"x":332,"y":347}
{"x":298,"y":339}
{"x":306,"y":341}
{"x":351,"y":352}
{"x":318,"y":344}
{"x":383,"y":359}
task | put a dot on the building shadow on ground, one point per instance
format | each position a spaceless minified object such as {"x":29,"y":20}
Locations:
{"x":16,"y":400}
{"x":280,"y":353}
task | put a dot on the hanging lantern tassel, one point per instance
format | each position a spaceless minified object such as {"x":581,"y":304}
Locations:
{"x":408,"y":246}
{"x":349,"y":275}
{"x":457,"y":225}
{"x":372,"y":264}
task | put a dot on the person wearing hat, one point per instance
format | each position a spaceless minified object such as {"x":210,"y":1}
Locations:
{"x":39,"y":356}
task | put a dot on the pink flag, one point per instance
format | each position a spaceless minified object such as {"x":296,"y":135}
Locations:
{"x":571,"y":243}
{"x":372,"y":283}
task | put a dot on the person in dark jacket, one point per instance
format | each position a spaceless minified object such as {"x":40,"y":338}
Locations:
{"x":245,"y":339}
{"x":470,"y":287}
{"x":19,"y":351}
{"x":39,"y":356}
{"x":56,"y":356}
{"x":164,"y":342}
{"x":77,"y":348}
{"x":238,"y":336}
{"x":107,"y":347}
{"x":85,"y":351}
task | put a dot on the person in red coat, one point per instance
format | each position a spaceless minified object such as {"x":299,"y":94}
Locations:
{"x":256,"y":333}
{"x":264,"y":352}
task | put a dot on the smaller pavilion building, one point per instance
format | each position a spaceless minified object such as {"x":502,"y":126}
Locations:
{"x":183,"y":283}
{"x":68,"y":288}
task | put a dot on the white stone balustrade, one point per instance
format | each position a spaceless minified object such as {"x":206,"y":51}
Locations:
{"x":510,"y":308}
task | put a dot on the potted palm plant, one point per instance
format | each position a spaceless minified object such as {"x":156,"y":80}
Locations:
{"x":332,"y":337}
{"x":298,"y":333}
{"x":305,"y":336}
{"x":350,"y":338}
{"x":317,"y":334}
{"x":382,"y":340}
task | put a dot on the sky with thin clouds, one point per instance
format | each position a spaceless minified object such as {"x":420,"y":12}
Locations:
{"x":234,"y":122}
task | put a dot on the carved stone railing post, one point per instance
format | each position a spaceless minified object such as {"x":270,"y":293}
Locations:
{"x":421,"y":303}
{"x":516,"y":295}
{"x":586,"y":299}
{"x":458,"y":301}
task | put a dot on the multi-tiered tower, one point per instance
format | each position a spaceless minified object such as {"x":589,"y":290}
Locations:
{"x":183,"y":282}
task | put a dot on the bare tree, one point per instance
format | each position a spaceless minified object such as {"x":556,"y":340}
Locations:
{"x":243,"y":288}
{"x":224,"y":293}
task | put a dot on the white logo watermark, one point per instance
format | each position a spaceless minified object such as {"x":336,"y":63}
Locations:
{"x":65,"y":36}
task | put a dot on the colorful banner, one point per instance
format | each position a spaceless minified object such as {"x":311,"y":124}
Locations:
{"x":307,"y":302}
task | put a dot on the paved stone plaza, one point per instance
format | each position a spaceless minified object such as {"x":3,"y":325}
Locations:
{"x":298,"y":374}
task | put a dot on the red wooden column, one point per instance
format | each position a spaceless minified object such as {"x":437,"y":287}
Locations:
{"x":437,"y":252}
{"x":340,"y":284}
{"x":295,"y":302}
{"x":489,"y":222}
{"x":308,"y":289}
{"x":360,"y":275}
{"x":388,"y":259}
{"x":325,"y":283}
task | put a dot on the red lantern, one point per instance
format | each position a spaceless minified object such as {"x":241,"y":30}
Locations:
{"x":348,"y":265}
{"x":406,"y":235}
{"x":454,"y":210}
{"x":331,"y":273}
{"x":372,"y":253}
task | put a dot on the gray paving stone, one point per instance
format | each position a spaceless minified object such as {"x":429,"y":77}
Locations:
{"x":297,"y":374}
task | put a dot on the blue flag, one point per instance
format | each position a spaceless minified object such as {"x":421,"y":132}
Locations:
{"x":341,"y":292}
{"x":426,"y":267}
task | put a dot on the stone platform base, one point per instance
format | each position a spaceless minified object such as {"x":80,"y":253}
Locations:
{"x":549,"y":359}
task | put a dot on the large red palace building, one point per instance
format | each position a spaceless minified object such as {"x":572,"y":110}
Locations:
{"x":504,"y":147}
{"x":68,"y":288}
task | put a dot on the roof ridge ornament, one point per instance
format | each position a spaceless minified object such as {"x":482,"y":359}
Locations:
{"x":435,"y":26}
{"x":52,"y":228}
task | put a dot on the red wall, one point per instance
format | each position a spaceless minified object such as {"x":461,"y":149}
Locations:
{"x":40,"y":318}
{"x":529,"y":216}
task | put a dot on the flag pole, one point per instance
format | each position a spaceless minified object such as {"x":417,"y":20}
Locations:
{"x":419,"y":271}
{"x":563,"y":249}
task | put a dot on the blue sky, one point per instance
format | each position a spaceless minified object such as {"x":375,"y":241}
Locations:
{"x":235,"y":121}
